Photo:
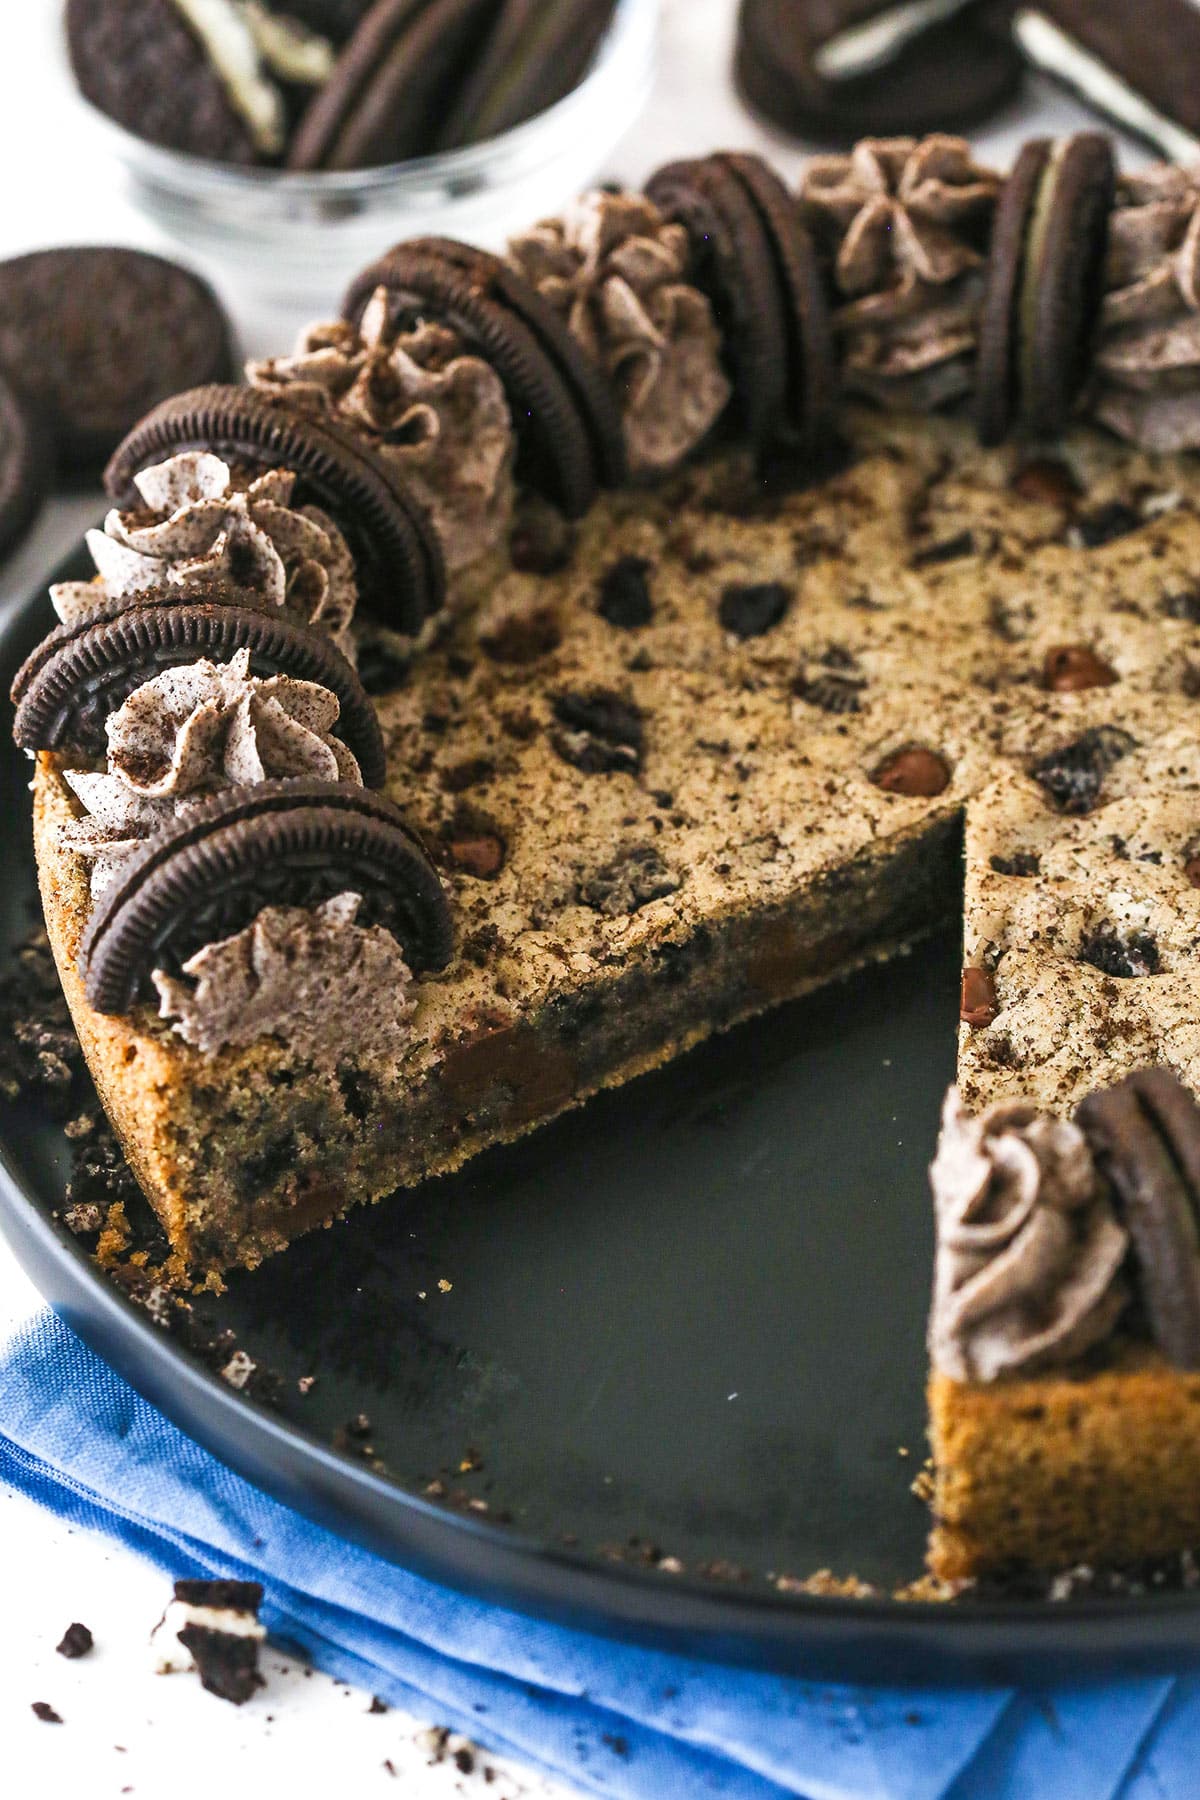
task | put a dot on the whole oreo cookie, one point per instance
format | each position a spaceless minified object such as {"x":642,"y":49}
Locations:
{"x":282,"y":843}
{"x":735,"y":263}
{"x":1043,"y":286}
{"x":97,"y":336}
{"x":948,"y":76}
{"x":534,"y":56}
{"x":392,"y":85}
{"x":397,"y":555}
{"x":1145,"y":1136}
{"x":80,"y":674}
{"x":812,"y":370}
{"x":24,"y":467}
{"x":567,"y":420}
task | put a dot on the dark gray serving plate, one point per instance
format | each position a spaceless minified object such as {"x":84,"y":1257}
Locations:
{"x":689,"y":1317}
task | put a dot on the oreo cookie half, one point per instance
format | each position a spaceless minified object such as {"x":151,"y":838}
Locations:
{"x":282,"y":843}
{"x":397,"y":555}
{"x":735,"y":264}
{"x":567,"y":420}
{"x":949,"y":75}
{"x":812,"y":384}
{"x":1043,"y":287}
{"x":81,"y":673}
{"x":1145,"y":1135}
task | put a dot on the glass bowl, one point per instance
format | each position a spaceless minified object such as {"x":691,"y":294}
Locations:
{"x":295,"y":240}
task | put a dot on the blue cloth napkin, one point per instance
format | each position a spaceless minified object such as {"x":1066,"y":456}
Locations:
{"x":611,"y":1719}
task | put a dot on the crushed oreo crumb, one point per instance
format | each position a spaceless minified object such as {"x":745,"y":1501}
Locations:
{"x":1021,"y":862}
{"x":39,"y":1051}
{"x":949,"y":549}
{"x":76,"y":1641}
{"x":625,"y":599}
{"x":1125,"y":957}
{"x":751,"y":610}
{"x":599,"y":732}
{"x":831,"y":690}
{"x":1092,"y":530}
{"x":1184,"y":605}
{"x":632,"y":880}
{"x":43,"y":1710}
{"x":1073,"y":775}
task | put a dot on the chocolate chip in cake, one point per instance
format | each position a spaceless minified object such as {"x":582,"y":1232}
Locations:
{"x":1126,"y":957}
{"x":914,"y":772}
{"x":978,"y":1005}
{"x":1070,"y":668}
{"x":599,"y":732}
{"x":1021,"y":862}
{"x":1104,"y":525}
{"x":1047,"y":482}
{"x":631,"y":881}
{"x":625,"y":599}
{"x":76,"y":1641}
{"x":525,"y":637}
{"x":480,"y":854}
{"x":752,"y":609}
{"x":1073,"y":775}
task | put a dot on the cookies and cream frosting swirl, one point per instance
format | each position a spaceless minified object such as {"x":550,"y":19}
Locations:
{"x":193,"y":731}
{"x":1028,"y":1266}
{"x":198,"y":527}
{"x":310,"y":976}
{"x":1147,"y":358}
{"x":426,"y":405}
{"x":903,"y":223}
{"x":617,"y":272}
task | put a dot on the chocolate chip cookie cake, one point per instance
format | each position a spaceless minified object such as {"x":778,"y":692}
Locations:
{"x":562,"y":656}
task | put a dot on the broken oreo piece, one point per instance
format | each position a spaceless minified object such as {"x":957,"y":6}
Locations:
{"x":281,"y":843}
{"x":397,"y":554}
{"x":76,"y":1641}
{"x":1073,"y":775}
{"x":1145,"y":1136}
{"x":217,"y":1625}
{"x":1043,"y":287}
{"x":599,"y":732}
{"x":81,"y":673}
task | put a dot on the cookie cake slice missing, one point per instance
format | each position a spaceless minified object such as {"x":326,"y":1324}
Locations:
{"x":531,"y":674}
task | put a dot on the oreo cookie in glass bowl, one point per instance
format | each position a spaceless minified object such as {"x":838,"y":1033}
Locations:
{"x":293,"y":221}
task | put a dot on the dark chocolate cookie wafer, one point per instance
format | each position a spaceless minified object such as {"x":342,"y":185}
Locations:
{"x":140,"y":62}
{"x":1136,"y":64}
{"x":1043,"y":287}
{"x":80,"y":674}
{"x":396,"y":550}
{"x":812,"y":385}
{"x":534,"y":56}
{"x":568,"y":424}
{"x":392,"y":85}
{"x":97,"y":336}
{"x":949,"y":77}
{"x":735,"y":263}
{"x":282,"y":843}
{"x":1145,"y":1135}
{"x":23,"y":467}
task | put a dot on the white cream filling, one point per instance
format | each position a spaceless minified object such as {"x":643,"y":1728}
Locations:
{"x":1059,"y":55}
{"x":170,"y":1656}
{"x":244,"y":41}
{"x":872,"y":45}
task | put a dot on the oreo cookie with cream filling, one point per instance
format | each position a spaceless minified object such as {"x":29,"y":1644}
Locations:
{"x":212,"y":78}
{"x":281,"y":843}
{"x":213,"y":1627}
{"x":1043,"y":285}
{"x":837,"y":72}
{"x":392,"y":85}
{"x":397,"y":555}
{"x":735,"y":265}
{"x":569,"y":432}
{"x":535,"y":55}
{"x":81,"y":673}
{"x":1135,"y":64}
{"x":1145,"y":1136}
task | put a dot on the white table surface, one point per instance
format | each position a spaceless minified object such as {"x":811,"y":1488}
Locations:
{"x":127,"y":1731}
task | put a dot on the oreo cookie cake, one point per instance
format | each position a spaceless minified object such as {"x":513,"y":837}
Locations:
{"x":562,"y":656}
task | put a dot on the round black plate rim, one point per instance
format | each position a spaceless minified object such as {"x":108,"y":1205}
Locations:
{"x":816,"y":1635}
